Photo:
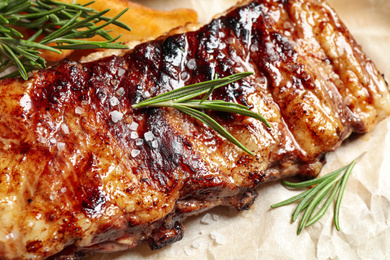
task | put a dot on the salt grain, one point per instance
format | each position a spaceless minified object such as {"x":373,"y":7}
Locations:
{"x":120,"y":91}
{"x":154,"y":144}
{"x":79,"y":110}
{"x":61,"y":146}
{"x":114,"y":82}
{"x":116,"y":116}
{"x":196,"y":244}
{"x":114,"y":101}
{"x":148,"y":136}
{"x":135,"y":152}
{"x":133,"y":126}
{"x":219,"y":238}
{"x":188,"y":250}
{"x":215,"y":217}
{"x":206,"y":219}
{"x":65,"y":129}
{"x":121,"y":72}
{"x":191,"y":64}
{"x":134,"y":135}
{"x":184,"y":76}
{"x":139,"y":142}
{"x":146,"y":94}
{"x":84,"y":102}
{"x":254,"y":48}
{"x":25,"y":102}
{"x":53,"y":140}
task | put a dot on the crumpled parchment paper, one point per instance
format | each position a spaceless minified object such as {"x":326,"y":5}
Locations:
{"x":264,"y":233}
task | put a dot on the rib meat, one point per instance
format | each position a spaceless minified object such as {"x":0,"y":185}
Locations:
{"x":81,"y":171}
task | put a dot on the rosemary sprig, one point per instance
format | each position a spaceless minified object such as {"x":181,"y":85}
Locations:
{"x":182,"y":99}
{"x":60,"y":24}
{"x":327,"y":186}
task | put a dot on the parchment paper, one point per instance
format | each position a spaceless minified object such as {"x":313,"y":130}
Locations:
{"x":262,"y":233}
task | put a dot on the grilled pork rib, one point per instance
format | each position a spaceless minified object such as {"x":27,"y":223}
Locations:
{"x":82,"y":171}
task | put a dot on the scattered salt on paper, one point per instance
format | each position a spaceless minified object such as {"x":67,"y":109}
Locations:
{"x":196,"y":244}
{"x":206,"y":219}
{"x":188,"y":250}
{"x":217,"y":237}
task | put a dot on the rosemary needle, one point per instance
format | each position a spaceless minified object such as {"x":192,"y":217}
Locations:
{"x":62,"y":25}
{"x":327,"y":186}
{"x":182,"y":99}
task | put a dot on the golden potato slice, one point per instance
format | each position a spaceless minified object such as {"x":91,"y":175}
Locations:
{"x":143,"y":21}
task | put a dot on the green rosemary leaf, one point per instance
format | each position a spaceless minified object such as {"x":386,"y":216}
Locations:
{"x":291,"y":200}
{"x":325,"y":207}
{"x":320,"y":195}
{"x":181,"y":99}
{"x":227,"y":107}
{"x":12,"y":57}
{"x":191,"y":91}
{"x":213,"y":124}
{"x":327,"y":187}
{"x":311,"y":194}
{"x":54,"y":22}
{"x":341,"y":193}
{"x":312,"y":182}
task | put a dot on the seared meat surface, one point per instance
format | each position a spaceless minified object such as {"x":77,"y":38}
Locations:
{"x":82,"y":171}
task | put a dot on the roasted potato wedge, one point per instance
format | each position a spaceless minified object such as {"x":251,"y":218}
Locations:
{"x":143,"y":21}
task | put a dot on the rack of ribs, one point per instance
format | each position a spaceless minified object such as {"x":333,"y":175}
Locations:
{"x":81,"y":171}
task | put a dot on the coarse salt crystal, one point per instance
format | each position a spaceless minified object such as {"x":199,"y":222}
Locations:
{"x":53,"y":140}
{"x":206,"y":219}
{"x":135,"y":152}
{"x":216,"y":217}
{"x":79,"y":110}
{"x":219,"y":238}
{"x":120,"y":91}
{"x":188,"y":250}
{"x":121,"y":72}
{"x":254,"y":48}
{"x":191,"y":64}
{"x":116,"y":116}
{"x":133,"y":126}
{"x":154,"y":144}
{"x":184,"y":76}
{"x":196,"y":244}
{"x":134,"y":135}
{"x":65,"y":129}
{"x":148,"y":136}
{"x":114,"y":101}
{"x":114,"y":82}
{"x":139,"y":142}
{"x":60,"y":146}
{"x":146,"y":94}
{"x":25,"y":102}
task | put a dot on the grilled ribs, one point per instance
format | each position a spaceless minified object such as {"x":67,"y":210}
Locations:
{"x":81,"y":171}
